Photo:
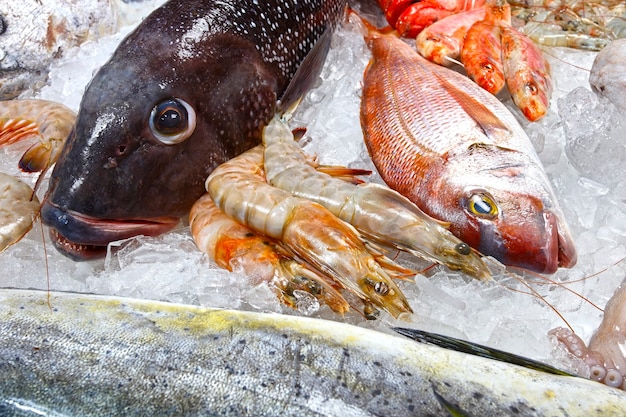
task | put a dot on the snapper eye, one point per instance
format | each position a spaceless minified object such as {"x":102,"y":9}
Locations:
{"x":172,"y":121}
{"x":483,"y":205}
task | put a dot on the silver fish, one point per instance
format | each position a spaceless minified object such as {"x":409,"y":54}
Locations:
{"x":98,"y":355}
{"x":34,"y":33}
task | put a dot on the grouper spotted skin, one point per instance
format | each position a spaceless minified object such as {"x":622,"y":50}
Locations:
{"x":98,"y":356}
{"x":190,"y":88}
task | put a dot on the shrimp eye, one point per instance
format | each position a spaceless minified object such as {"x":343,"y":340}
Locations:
{"x":483,"y":205}
{"x":462,"y":248}
{"x":381,"y":288}
{"x":172,"y":121}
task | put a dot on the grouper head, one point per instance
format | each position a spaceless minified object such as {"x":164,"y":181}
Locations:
{"x":174,"y":101}
{"x":499,"y":201}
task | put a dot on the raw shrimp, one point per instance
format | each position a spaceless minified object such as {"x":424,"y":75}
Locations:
{"x":19,"y":208}
{"x":236,"y":247}
{"x":49,"y":121}
{"x":378,"y":212}
{"x":310,"y":231}
{"x":577,"y":24}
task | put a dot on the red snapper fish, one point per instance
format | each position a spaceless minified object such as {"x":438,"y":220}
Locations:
{"x":461,"y":156}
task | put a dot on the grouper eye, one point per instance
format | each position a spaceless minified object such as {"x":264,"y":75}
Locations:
{"x":483,"y":205}
{"x":172,"y":121}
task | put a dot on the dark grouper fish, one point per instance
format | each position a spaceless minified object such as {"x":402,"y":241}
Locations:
{"x":190,"y":88}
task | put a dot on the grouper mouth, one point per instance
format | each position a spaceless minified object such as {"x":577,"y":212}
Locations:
{"x":81,"y":237}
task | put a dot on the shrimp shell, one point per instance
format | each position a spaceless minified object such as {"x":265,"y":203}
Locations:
{"x":378,"y":212}
{"x":19,"y":208}
{"x":50,"y":122}
{"x":310,"y":231}
{"x":234,"y":246}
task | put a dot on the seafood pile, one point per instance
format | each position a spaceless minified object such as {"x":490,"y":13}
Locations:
{"x":590,"y":25}
{"x":441,"y":300}
{"x":479,"y":36}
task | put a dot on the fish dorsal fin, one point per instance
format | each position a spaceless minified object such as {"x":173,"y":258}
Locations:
{"x":307,"y":73}
{"x":484,"y":118}
{"x":471,"y":348}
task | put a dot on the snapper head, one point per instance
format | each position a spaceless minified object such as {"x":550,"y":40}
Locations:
{"x":500,"y":202}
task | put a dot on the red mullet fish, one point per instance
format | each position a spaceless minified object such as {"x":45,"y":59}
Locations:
{"x":190,"y":88}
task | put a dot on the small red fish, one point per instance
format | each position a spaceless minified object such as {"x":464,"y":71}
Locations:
{"x":527,"y":73}
{"x":482,"y":49}
{"x":442,"y":41}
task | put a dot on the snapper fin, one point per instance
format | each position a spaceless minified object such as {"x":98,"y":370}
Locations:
{"x":306,"y":75}
{"x":484,"y":118}
{"x":459,"y":345}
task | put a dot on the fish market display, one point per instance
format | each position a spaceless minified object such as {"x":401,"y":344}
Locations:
{"x":605,"y":354}
{"x":378,"y":212}
{"x":309,"y":231}
{"x":92,"y":355}
{"x":496,"y":313}
{"x":579,"y":24}
{"x":608,"y":73}
{"x":461,"y":156}
{"x":34,"y":33}
{"x":480,"y":34}
{"x":165,"y":110}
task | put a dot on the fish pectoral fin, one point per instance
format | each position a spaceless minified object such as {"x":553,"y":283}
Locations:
{"x":306,"y":75}
{"x":484,"y":118}
{"x":476,"y":349}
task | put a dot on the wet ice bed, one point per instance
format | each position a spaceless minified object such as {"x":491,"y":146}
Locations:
{"x":587,"y":174}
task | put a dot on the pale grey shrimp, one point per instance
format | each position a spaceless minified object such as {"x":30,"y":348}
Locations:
{"x":19,"y":208}
{"x":589,"y":25}
{"x":307,"y":229}
{"x":236,"y":247}
{"x":378,"y":212}
{"x":48,"y":121}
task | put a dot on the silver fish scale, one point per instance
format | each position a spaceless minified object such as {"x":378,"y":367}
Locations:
{"x":99,"y":356}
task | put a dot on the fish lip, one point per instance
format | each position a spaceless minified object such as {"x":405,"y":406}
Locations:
{"x":82,"y":237}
